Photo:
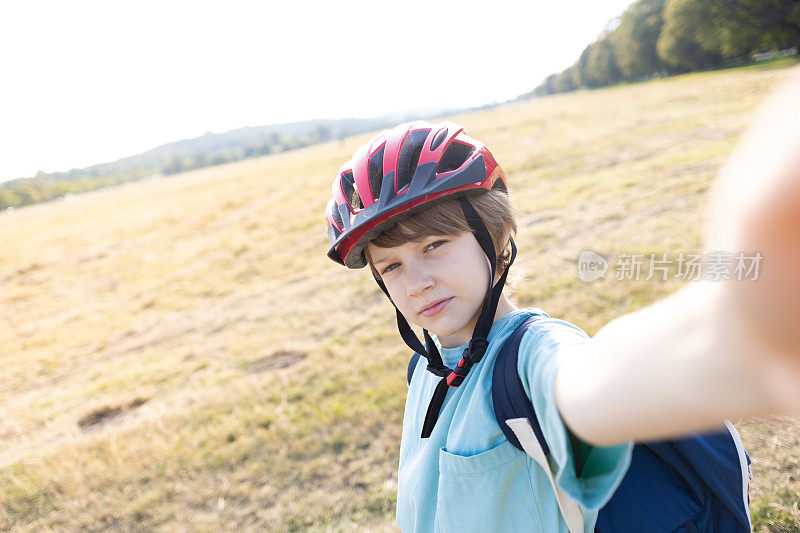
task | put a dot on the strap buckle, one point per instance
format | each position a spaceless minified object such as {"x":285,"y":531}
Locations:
{"x":475,"y":349}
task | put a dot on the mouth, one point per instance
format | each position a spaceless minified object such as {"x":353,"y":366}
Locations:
{"x":435,"y":307}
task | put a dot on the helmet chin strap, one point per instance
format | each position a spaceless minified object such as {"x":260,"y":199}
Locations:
{"x":478,"y":344}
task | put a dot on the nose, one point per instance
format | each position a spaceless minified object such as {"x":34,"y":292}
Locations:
{"x":418,"y":279}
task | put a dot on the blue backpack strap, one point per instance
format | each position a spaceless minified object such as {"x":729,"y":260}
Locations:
{"x":412,"y":364}
{"x":508,"y":394}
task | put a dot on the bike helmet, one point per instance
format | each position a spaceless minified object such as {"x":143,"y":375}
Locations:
{"x":394,"y":175}
{"x":399,"y":172}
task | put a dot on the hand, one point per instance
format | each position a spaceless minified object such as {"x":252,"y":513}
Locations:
{"x":755,"y":207}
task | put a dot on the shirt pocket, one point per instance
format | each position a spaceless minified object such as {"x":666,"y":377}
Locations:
{"x":489,"y":491}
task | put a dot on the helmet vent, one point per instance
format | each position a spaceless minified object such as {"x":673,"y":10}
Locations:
{"x":409,"y":156}
{"x":349,"y":190}
{"x":376,"y":172}
{"x":337,"y":216}
{"x":454,"y":156}
{"x":499,"y":186}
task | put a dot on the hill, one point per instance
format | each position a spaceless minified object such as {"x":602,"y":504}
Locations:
{"x":208,"y":150}
{"x":181,"y":354}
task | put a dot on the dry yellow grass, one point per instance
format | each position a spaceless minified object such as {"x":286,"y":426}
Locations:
{"x":180,"y":354}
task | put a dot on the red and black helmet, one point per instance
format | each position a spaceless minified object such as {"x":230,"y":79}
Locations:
{"x":399,"y":172}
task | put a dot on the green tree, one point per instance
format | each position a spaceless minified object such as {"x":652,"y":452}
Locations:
{"x":564,"y":81}
{"x":746,"y":26}
{"x":600,"y":65}
{"x":634,"y":41}
{"x":8,"y":198}
{"x":32,"y":190}
{"x":682,"y":43}
{"x":546,"y":87}
{"x":700,"y":33}
{"x":782,"y":27}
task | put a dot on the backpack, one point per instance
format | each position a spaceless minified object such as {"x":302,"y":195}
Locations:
{"x":693,"y":484}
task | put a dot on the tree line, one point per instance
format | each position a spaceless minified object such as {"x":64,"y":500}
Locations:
{"x":663,"y":37}
{"x":277,"y":142}
{"x":49,"y":186}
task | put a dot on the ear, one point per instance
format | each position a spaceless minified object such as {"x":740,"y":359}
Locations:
{"x":506,"y":248}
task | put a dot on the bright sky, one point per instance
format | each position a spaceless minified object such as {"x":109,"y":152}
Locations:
{"x":83,"y":82}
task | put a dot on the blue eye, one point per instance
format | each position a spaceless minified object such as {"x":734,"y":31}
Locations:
{"x":431,"y":246}
{"x":435,"y":245}
{"x":390,"y":268}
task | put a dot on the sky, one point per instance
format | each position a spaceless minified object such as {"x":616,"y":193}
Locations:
{"x":84,"y":82}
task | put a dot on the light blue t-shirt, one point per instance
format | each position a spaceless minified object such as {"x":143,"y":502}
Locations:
{"x":466,"y":476}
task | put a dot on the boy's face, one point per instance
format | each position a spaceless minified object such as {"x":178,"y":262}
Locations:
{"x":438,"y":283}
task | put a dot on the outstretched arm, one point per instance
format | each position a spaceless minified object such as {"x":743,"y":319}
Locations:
{"x":713,"y":350}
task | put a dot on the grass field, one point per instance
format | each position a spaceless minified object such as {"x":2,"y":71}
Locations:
{"x":179,"y":353}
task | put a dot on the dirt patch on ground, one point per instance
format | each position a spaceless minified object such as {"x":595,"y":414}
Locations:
{"x":279,"y":359}
{"x":108,"y":414}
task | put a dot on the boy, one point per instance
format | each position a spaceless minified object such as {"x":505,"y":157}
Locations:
{"x":427,"y":208}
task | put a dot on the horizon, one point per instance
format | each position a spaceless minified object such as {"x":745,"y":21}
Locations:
{"x":107,"y":82}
